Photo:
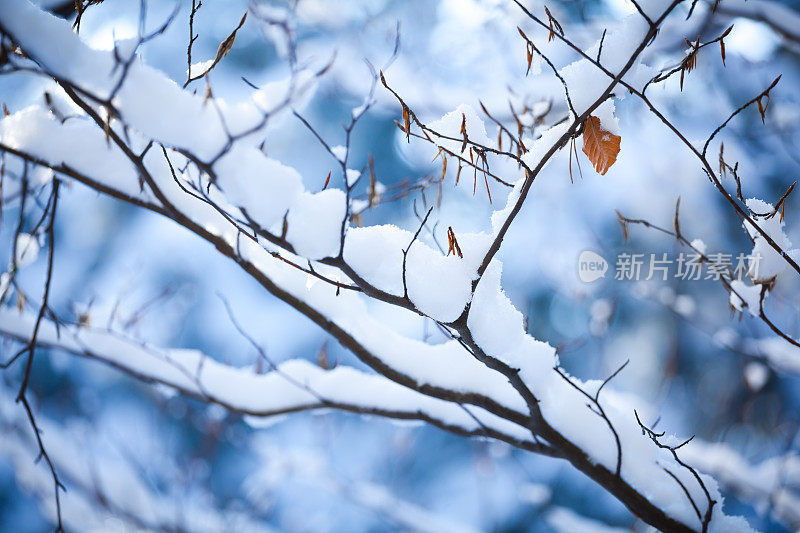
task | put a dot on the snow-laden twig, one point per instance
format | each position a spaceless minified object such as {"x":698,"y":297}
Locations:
{"x":292,"y":386}
{"x":770,"y":484}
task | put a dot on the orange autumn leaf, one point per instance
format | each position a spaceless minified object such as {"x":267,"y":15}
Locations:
{"x":600,"y":145}
{"x":452,"y":243}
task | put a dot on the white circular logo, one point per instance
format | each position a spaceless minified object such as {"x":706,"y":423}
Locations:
{"x":591,"y":266}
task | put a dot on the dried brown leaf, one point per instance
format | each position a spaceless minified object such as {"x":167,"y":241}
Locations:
{"x":600,"y":145}
{"x":452,"y":243}
{"x":224,"y":47}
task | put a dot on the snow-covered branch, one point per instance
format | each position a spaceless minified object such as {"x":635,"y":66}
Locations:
{"x":292,"y":386}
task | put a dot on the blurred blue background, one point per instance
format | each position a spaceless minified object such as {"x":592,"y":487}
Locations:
{"x":294,"y":474}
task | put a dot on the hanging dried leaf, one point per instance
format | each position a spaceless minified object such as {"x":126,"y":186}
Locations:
{"x":690,"y":61}
{"x":600,"y":146}
{"x":528,"y":49}
{"x":285,"y":226}
{"x":452,"y":243}
{"x":464,"y":132}
{"x":224,"y":47}
{"x":722,"y":43}
{"x":406,"y":124}
{"x":762,"y":107}
{"x":553,"y":24}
